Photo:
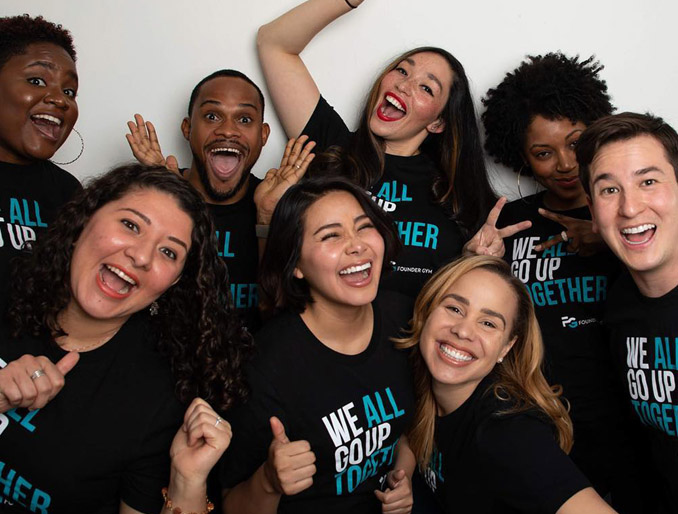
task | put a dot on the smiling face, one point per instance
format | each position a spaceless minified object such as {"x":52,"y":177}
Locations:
{"x":550,"y":152}
{"x":129,"y":253}
{"x":634,"y":203}
{"x":410,"y":101}
{"x":341,"y":253}
{"x":466,"y":334}
{"x":37,"y":103}
{"x":226,"y":133}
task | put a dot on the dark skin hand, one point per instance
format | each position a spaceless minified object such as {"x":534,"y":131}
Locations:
{"x":580,"y":235}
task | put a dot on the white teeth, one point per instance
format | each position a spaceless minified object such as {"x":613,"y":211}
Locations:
{"x":395,"y":103}
{"x":122,"y":275}
{"x":356,"y":269}
{"x":229,"y":150}
{"x":454,"y":354}
{"x":47,"y":117}
{"x":639,"y":229}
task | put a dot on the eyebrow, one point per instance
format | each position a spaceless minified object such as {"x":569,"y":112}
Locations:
{"x":640,"y":172}
{"x":335,"y":225}
{"x":147,"y":220}
{"x":50,"y":66}
{"x":566,"y":137}
{"x":410,"y":61}
{"x":243,"y":105}
{"x":489,"y":312}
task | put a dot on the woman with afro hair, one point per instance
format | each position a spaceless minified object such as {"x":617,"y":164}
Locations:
{"x":533,"y":120}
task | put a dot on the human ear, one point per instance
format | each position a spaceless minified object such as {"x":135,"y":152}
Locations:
{"x":298,"y":274}
{"x":186,"y":128}
{"x":507,"y":349}
{"x":265,"y":132}
{"x":436,"y":127}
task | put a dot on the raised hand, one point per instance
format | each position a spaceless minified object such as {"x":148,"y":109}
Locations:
{"x":294,"y":163}
{"x":578,"y":233}
{"x":31,"y":382}
{"x":200,"y":442}
{"x":397,"y":498}
{"x":291,"y":464}
{"x":489,"y":240}
{"x":143,"y":140}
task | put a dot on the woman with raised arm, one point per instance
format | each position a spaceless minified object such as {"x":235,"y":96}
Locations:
{"x":117,"y":321}
{"x":331,"y":396}
{"x":490,"y":434}
{"x":534,"y":119}
{"x":417,"y":147}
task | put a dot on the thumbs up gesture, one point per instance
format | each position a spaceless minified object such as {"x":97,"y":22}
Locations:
{"x":291,"y":464}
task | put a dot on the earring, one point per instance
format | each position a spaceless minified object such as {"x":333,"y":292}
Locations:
{"x":520,"y":193}
{"x":500,"y":360}
{"x":82,"y":149}
{"x":154,"y":308}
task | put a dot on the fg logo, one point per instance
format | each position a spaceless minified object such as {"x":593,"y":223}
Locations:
{"x":569,"y":322}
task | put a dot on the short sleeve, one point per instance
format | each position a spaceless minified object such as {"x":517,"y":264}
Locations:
{"x":251,"y":431}
{"x":326,"y":127}
{"x":524,"y":465}
{"x":148,"y":470}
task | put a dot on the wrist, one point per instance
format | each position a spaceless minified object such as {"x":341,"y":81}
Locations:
{"x":264,"y":479}
{"x":186,"y":498}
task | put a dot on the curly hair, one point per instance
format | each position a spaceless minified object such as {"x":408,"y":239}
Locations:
{"x":17,"y":32}
{"x":195,"y":326}
{"x":553,"y":86}
{"x":518,"y":380}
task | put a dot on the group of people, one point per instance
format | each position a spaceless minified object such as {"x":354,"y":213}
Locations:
{"x":367,"y":328}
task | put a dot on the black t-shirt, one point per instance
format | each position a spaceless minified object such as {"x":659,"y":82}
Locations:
{"x":485,"y":462}
{"x":105,"y":436}
{"x":644,"y":337}
{"x":30,"y":197}
{"x":352,"y":409}
{"x":237,"y":244}
{"x":569,"y":293}
{"x":430,"y":238}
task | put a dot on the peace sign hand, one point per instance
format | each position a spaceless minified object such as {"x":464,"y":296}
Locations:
{"x":578,"y":233}
{"x":489,"y":240}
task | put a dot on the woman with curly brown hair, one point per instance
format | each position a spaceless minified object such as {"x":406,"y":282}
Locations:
{"x":116,"y":323}
{"x":533,"y":120}
{"x":488,"y":431}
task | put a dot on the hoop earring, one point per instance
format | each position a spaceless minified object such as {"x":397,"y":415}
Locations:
{"x":82,"y":149}
{"x":520,"y":193}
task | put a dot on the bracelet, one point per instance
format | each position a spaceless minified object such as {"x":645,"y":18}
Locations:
{"x":177,"y":510}
{"x":261,"y":231}
{"x":350,"y":5}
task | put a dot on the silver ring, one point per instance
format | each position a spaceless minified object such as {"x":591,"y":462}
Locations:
{"x":297,"y":166}
{"x":219,"y":420}
{"x":563,"y":234}
{"x":37,"y":373}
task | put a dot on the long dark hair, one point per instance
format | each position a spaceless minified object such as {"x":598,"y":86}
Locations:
{"x":279,"y":288}
{"x":195,"y":327}
{"x":462,"y":185}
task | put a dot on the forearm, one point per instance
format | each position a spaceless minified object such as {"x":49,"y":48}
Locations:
{"x":254,"y":496}
{"x":279,"y":43}
{"x":405,"y":458}
{"x":291,"y":32}
{"x":189,"y":495}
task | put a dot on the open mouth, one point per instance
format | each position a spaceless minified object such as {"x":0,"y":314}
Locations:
{"x":48,"y":125}
{"x":454,"y":354}
{"x":639,"y":234}
{"x":569,"y":182}
{"x":224,"y":161}
{"x":356,"y":275}
{"x":391,"y":109}
{"x":115,"y":282}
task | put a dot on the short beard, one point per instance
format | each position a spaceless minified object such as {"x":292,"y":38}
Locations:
{"x":211,"y":193}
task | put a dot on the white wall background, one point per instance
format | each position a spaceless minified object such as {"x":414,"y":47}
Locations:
{"x":146,"y":55}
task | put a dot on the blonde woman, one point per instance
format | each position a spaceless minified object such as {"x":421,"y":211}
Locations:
{"x":489,"y":434}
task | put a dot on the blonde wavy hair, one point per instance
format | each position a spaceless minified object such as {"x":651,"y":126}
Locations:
{"x":519,"y":376}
